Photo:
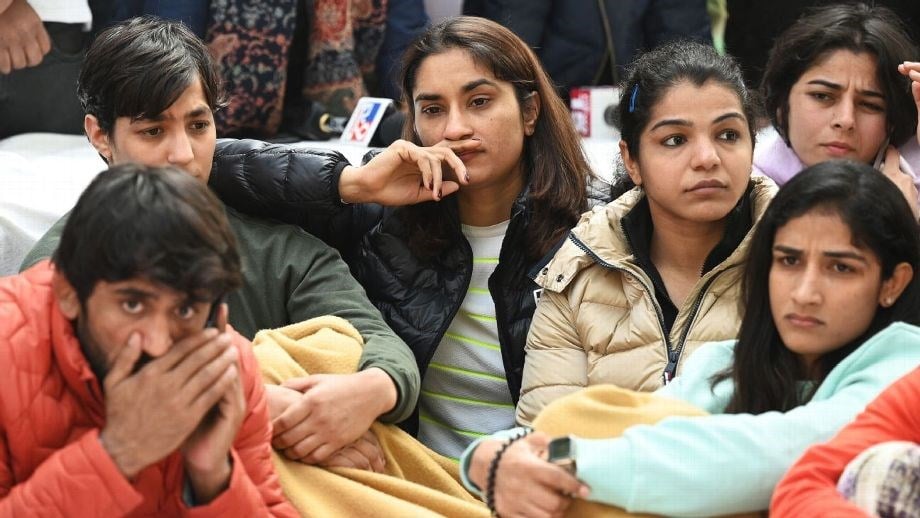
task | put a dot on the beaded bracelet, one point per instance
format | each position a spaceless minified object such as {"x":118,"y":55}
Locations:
{"x":493,"y":468}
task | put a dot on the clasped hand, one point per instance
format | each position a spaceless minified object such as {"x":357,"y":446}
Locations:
{"x":325,"y":419}
{"x":190,"y":399}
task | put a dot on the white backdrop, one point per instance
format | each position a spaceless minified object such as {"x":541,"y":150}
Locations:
{"x":43,"y":174}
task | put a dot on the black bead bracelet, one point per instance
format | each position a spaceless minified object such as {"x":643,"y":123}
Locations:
{"x":493,"y":468}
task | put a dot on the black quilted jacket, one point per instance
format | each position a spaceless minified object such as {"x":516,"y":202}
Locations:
{"x":417,"y":298}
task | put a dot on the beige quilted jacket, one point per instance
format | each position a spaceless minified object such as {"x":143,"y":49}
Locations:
{"x":597,"y":320}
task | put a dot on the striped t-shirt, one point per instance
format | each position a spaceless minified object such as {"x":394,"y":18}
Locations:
{"x":465,"y":394}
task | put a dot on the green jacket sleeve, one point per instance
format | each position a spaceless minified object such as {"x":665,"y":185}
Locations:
{"x":328,"y":288}
{"x":46,"y":245}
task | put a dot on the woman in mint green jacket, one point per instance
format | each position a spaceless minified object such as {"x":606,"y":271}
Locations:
{"x":829,"y":284}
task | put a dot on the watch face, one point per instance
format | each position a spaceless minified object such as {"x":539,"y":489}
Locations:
{"x":560,"y":448}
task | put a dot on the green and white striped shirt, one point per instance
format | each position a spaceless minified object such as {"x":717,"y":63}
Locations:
{"x":465,"y":394}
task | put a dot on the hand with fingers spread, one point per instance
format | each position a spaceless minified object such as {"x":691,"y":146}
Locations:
{"x":903,"y":181}
{"x":23,"y":39}
{"x":365,"y":453}
{"x":525,"y":483}
{"x":405,"y":174}
{"x":193,"y":394}
{"x":332,"y":411}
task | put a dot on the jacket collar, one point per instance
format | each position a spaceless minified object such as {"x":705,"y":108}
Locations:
{"x":774,"y":158}
{"x":637,"y":228}
{"x":600,"y":237}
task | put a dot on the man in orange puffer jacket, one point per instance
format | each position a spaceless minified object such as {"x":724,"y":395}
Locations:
{"x":122,"y":390}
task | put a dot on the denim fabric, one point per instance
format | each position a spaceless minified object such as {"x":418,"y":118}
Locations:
{"x":44,"y":97}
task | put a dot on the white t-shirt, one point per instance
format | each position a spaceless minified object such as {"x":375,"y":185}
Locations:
{"x":465,"y":393}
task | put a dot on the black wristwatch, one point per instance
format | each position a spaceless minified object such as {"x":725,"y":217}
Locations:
{"x":561,"y":452}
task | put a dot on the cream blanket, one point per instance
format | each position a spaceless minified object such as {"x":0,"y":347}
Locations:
{"x":418,"y":482}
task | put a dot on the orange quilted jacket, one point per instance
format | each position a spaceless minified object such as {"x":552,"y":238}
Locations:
{"x":51,"y":412}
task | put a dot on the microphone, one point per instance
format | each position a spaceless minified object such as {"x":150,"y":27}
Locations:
{"x":319,"y":124}
{"x":610,"y":115}
{"x":390,"y":128}
{"x":328,"y":124}
{"x":594,"y":111}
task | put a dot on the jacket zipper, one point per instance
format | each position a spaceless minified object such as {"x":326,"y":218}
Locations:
{"x":505,"y":349}
{"x":671,"y":368}
{"x":673,"y":353}
{"x":667,"y":339}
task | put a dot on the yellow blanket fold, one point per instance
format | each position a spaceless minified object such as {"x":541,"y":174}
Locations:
{"x":418,"y":481}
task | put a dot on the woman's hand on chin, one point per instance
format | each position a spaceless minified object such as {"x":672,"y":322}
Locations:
{"x":405,"y":174}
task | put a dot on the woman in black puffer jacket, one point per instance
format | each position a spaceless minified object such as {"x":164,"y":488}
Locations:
{"x":444,"y":228}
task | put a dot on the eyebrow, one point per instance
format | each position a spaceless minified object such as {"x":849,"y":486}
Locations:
{"x":834,"y":86}
{"x":145,"y":295}
{"x":684,"y":122}
{"x":472,"y":85}
{"x":201,"y":111}
{"x":136,"y":293}
{"x":834,"y":254}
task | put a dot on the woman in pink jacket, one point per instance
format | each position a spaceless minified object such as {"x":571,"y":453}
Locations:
{"x":839,"y":84}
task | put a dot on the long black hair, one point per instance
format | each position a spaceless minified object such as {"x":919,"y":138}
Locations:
{"x":557,"y":170}
{"x":764,"y":371}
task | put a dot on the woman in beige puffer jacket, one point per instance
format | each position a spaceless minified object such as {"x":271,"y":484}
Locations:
{"x":644,"y":281}
{"x":597,"y":320}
